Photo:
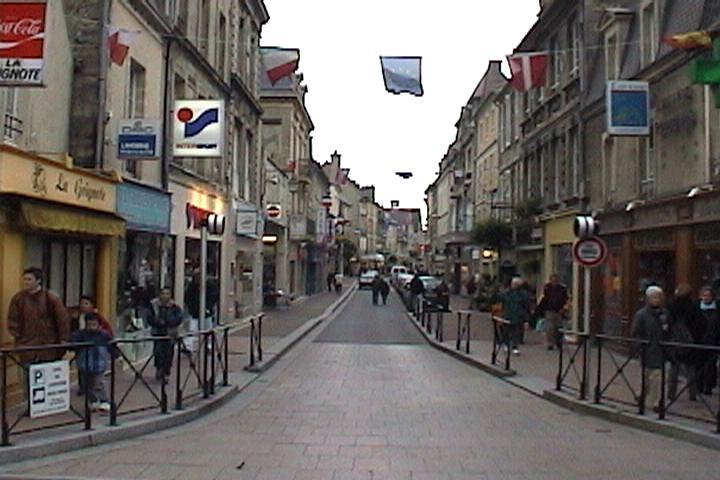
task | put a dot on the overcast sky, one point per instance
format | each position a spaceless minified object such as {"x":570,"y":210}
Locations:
{"x":376,"y":132}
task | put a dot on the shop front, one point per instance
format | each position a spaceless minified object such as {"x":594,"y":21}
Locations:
{"x":145,"y":257}
{"x":558,"y":240}
{"x":245,"y":278}
{"x":61,"y":220}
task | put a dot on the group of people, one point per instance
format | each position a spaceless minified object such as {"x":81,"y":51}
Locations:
{"x":515,"y":305}
{"x":38,"y":317}
{"x":682,"y":320}
{"x":380,"y":288}
{"x":334,"y":282}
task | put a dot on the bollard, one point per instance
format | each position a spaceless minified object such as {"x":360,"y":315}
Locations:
{"x":113,"y":404}
{"x":558,"y":382}
{"x":643,"y":387}
{"x":206,"y":390}
{"x":598,"y":392}
{"x":5,"y":426}
{"x":86,"y":387}
{"x":178,"y":376}
{"x":226,"y":352}
{"x":467,"y":332}
{"x":457,"y":342}
{"x":212,"y":362}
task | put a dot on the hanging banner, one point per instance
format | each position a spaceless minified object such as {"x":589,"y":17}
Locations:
{"x":628,"y":108}
{"x":199,"y":127}
{"x":22,"y":43}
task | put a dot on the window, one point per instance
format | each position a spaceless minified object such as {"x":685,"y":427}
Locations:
{"x":240,"y":151}
{"x":648,"y":33}
{"x":182,"y":13}
{"x":204,"y":26}
{"x":573,"y":167}
{"x":179,"y":87}
{"x":612,"y":60}
{"x":646,"y":165}
{"x":221,"y":42}
{"x":554,"y":70}
{"x":135,"y":107}
{"x":573,"y":43}
{"x":12,"y":125}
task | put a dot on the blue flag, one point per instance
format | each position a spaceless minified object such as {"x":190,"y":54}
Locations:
{"x":402,"y":75}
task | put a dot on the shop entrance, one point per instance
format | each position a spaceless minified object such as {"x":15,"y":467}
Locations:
{"x":192,"y":279}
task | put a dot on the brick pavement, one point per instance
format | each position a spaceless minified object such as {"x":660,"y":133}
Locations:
{"x":369,"y":411}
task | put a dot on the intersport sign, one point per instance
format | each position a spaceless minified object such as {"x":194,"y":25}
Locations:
{"x":22,"y":43}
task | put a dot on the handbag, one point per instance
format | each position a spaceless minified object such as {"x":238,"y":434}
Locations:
{"x":540,"y":325}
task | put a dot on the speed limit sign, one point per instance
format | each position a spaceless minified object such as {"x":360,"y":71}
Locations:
{"x":590,"y":252}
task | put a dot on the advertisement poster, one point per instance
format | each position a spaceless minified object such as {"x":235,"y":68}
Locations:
{"x":22,"y":43}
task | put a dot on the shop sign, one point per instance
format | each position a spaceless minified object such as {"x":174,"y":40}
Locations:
{"x":628,"y":108}
{"x":139,"y":139}
{"x":199,"y":128}
{"x":590,"y":252}
{"x":246,"y":222}
{"x":298,"y":227}
{"x":143,"y":208}
{"x":273,"y":210}
{"x":22,"y":43}
{"x":49,"y":388}
{"x":43,"y":180}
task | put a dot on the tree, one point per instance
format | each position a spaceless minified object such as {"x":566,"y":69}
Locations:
{"x":492,"y":233}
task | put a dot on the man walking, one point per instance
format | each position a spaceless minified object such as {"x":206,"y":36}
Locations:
{"x":165,"y":318}
{"x":552,"y":307}
{"x":652,"y":323}
{"x":516,"y":310}
{"x":37,"y":317}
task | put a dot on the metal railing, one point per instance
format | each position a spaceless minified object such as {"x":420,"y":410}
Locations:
{"x":130,"y":389}
{"x":256,"y":349}
{"x":622,"y":377}
{"x":501,"y":341}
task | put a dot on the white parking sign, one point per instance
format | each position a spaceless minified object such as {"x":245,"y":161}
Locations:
{"x":49,"y":388}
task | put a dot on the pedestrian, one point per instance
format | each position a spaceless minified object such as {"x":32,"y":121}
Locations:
{"x":710,"y":336}
{"x":384,"y":290}
{"x":471,"y":286}
{"x":416,"y":290}
{"x":330,"y":281}
{"x":685,"y":322}
{"x":652,"y":324}
{"x":375,"y":286}
{"x":516,"y":310}
{"x":552,"y":307}
{"x":338,"y":283}
{"x":443,"y":295}
{"x":93,"y":361}
{"x":87,"y":307}
{"x":37,"y":317}
{"x":165,"y":319}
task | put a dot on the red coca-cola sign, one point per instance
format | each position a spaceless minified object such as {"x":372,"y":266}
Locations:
{"x":22,"y":30}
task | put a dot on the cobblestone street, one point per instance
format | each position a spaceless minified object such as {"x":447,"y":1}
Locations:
{"x":346,"y":405}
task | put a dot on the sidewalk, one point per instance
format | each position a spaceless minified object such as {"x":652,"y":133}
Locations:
{"x":535,"y":370}
{"x":139,"y":404}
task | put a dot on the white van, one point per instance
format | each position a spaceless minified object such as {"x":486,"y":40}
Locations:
{"x":396,"y":271}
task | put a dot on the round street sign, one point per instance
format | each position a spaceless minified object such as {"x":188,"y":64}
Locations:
{"x":273,"y":210}
{"x":590,"y":252}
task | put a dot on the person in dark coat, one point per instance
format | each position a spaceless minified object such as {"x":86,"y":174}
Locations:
{"x":471,"y":286}
{"x":652,"y":323}
{"x":516,"y":310}
{"x":375,"y":286}
{"x":165,"y":319}
{"x":93,"y":361}
{"x":416,"y":289}
{"x":384,"y":290}
{"x":709,"y":334}
{"x":330,"y":281}
{"x":552,"y":307}
{"x":443,"y":295}
{"x":685,"y":324}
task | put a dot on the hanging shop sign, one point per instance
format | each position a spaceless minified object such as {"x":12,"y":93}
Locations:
{"x":49,"y":388}
{"x":139,"y":139}
{"x":199,"y":128}
{"x":22,"y":43}
{"x":298,"y":227}
{"x":628,"y":108}
{"x":246,"y":222}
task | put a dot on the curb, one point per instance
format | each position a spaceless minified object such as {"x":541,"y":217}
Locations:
{"x":486,"y":367}
{"x":106,"y":434}
{"x":677,"y":432}
{"x":301,"y":332}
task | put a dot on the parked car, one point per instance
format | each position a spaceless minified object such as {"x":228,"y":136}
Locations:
{"x":366,"y":279}
{"x":396,"y":271}
{"x":429,"y":282}
{"x":402,"y":280}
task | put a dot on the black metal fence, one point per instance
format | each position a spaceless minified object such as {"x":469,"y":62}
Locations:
{"x":617,"y":370}
{"x":200,"y":367}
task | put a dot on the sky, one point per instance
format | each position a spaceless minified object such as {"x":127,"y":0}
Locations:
{"x":378,"y":133}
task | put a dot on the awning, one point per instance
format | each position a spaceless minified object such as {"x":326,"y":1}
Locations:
{"x":59,"y":219}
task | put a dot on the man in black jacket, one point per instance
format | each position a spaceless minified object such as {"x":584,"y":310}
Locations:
{"x":652,"y":323}
{"x":165,"y":318}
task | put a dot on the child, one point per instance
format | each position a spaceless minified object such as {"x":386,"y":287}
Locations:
{"x":93,"y":361}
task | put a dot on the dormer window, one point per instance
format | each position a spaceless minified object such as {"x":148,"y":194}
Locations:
{"x":648,"y":32}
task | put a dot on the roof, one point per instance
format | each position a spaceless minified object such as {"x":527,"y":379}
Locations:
{"x":492,"y":82}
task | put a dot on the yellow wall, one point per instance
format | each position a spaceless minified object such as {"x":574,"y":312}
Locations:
{"x":559,"y":231}
{"x":11,"y":249}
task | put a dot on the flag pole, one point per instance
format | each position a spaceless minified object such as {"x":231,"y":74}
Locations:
{"x":102,"y":88}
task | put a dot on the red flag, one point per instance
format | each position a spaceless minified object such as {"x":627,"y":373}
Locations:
{"x":528,"y":70}
{"x":690,"y":40}
{"x":280,"y":62}
{"x":119,"y":40}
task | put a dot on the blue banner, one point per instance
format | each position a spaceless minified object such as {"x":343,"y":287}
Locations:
{"x":143,"y":208}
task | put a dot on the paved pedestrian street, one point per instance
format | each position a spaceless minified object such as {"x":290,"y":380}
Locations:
{"x":346,"y":405}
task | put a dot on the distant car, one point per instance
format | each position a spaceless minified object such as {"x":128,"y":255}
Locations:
{"x":402,"y":280}
{"x":366,"y":279}
{"x":429,"y":282}
{"x":396,"y":271}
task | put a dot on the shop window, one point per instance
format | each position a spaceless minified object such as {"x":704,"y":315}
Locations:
{"x":68,"y":266}
{"x":192,"y":279}
{"x":145,"y":261}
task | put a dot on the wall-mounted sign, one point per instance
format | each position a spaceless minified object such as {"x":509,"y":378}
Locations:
{"x":246,"y":223}
{"x":49,"y":388}
{"x":628,"y":108}
{"x":199,"y":128}
{"x":22,"y":43}
{"x":273,"y":210}
{"x":139,"y":139}
{"x":143,"y":208}
{"x":298,"y":227}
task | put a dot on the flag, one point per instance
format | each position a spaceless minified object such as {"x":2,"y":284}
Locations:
{"x":690,"y":40}
{"x":342,"y":176}
{"x":119,"y":40}
{"x":280,"y":62}
{"x":528,"y":70}
{"x":402,"y":75}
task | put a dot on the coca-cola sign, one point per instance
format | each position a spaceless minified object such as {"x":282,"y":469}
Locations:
{"x":22,"y":42}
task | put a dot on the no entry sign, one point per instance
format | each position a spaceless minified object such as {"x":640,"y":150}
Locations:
{"x":590,"y":252}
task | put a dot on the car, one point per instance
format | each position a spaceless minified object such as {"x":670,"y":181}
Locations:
{"x":402,"y":280}
{"x":430,"y":283}
{"x":366,"y":278}
{"x":396,"y":271}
